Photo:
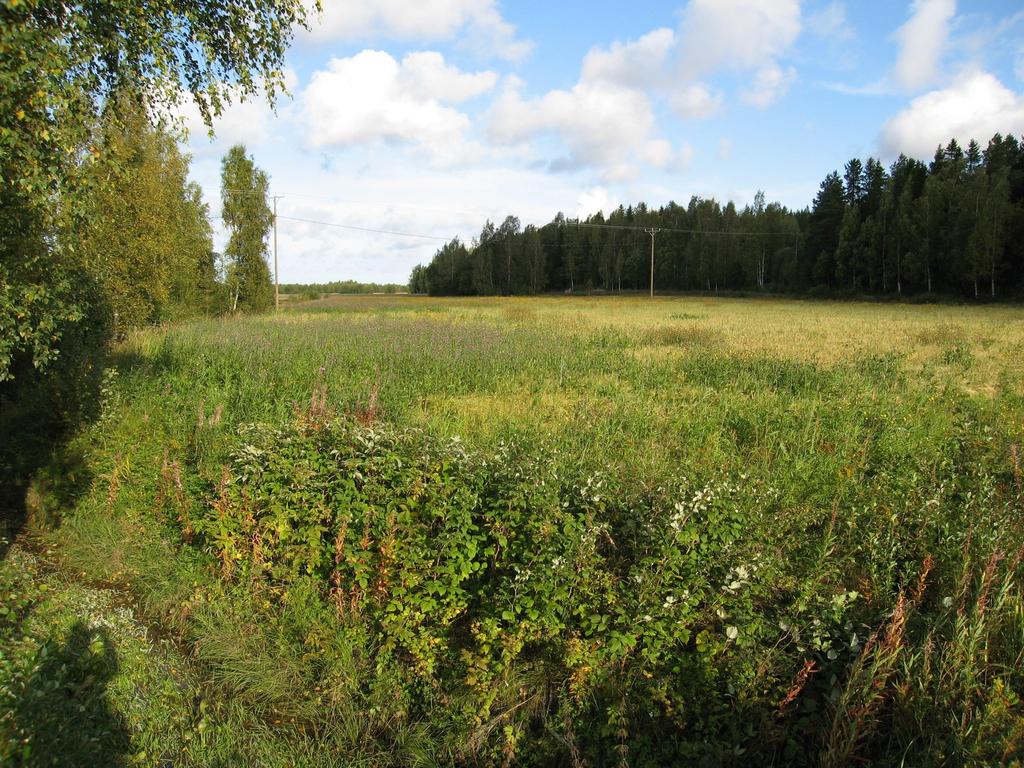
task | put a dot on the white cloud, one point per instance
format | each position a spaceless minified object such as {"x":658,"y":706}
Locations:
{"x":477,"y":24}
{"x":737,"y":34}
{"x":922,"y":42}
{"x":831,"y":22}
{"x":696,"y":101}
{"x":602,"y":124}
{"x":976,"y":105}
{"x":683,"y":157}
{"x":593,"y":200}
{"x":426,"y":73}
{"x":636,"y":64}
{"x":606,"y":120}
{"x":251,"y":121}
{"x":770,"y":84}
{"x":245,"y":122}
{"x":725,"y":149}
{"x":371,"y":97}
{"x":658,"y":153}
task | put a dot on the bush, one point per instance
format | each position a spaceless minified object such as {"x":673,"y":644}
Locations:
{"x":527,"y":606}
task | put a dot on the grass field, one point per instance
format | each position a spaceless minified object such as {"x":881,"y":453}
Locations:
{"x":587,"y":531}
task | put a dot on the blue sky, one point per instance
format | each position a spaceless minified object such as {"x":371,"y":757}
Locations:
{"x":429,"y":116}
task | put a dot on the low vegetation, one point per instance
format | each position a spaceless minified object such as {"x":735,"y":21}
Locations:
{"x":585,"y":532}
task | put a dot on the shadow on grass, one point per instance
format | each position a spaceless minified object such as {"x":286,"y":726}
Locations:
{"x":39,"y":472}
{"x":61,"y":716}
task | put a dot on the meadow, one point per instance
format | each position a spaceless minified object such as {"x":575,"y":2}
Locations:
{"x":393,"y":530}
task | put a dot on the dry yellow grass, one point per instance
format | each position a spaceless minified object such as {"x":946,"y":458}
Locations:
{"x":976,"y":347}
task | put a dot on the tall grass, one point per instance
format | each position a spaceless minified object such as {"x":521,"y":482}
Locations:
{"x":769,"y":532}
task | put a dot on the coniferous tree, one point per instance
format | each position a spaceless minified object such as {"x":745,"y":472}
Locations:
{"x":824,"y":226}
{"x":954,"y":226}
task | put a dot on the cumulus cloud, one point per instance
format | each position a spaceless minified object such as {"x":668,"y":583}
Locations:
{"x":922,"y":42}
{"x":602,"y":124}
{"x":250,"y":121}
{"x":606,"y":120}
{"x":636,"y":64}
{"x":477,"y":24}
{"x":426,"y":72}
{"x":741,"y":35}
{"x":371,"y":97}
{"x":737,"y":34}
{"x":658,"y":153}
{"x":695,"y":101}
{"x":770,"y":84}
{"x":594,"y":200}
{"x":976,"y":105}
{"x":831,"y":22}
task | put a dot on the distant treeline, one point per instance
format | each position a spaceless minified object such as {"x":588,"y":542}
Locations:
{"x":954,"y":226}
{"x":341,"y":286}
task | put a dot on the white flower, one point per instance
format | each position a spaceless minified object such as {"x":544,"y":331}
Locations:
{"x":732,"y":632}
{"x":948,"y":602}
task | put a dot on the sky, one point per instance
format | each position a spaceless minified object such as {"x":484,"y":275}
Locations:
{"x":427,"y":117}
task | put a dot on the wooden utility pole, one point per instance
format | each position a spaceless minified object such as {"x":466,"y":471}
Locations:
{"x":652,"y":232}
{"x":277,"y":279}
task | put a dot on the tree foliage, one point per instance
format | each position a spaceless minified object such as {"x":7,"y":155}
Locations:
{"x":246,"y":214}
{"x":149,"y":245}
{"x":83,"y":237}
{"x":59,"y":64}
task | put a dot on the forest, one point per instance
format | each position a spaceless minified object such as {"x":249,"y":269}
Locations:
{"x":952,"y":227}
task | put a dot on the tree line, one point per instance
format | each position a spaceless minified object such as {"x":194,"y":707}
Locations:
{"x":341,"y":286}
{"x":953,"y":227}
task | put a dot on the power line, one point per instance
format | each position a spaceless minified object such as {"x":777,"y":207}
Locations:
{"x":358,"y":229}
{"x":365,"y":229}
{"x":563,"y":223}
{"x":671,"y":229}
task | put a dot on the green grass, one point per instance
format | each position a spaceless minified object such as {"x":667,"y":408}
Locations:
{"x":785,"y":486}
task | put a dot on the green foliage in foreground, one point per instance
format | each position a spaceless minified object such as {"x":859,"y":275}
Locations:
{"x":504,"y":591}
{"x":782,"y":562}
